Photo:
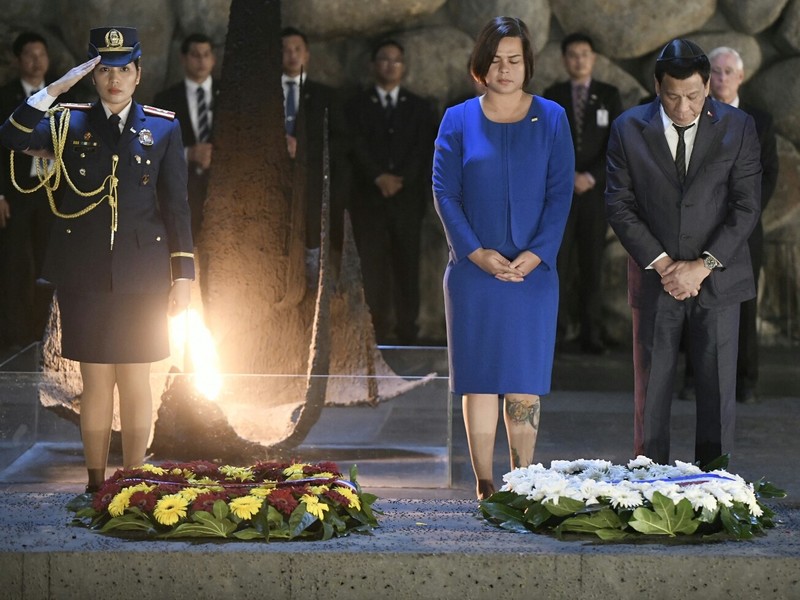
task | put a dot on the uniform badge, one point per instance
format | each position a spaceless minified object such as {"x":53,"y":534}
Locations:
{"x":82,"y":171}
{"x":146,"y":137}
{"x":145,"y":179}
{"x":87,"y":136}
{"x":138,"y":159}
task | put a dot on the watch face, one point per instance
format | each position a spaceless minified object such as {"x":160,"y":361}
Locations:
{"x":710,"y":262}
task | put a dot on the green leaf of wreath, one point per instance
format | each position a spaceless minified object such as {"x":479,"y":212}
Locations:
{"x":500,"y":512}
{"x":666,"y":518}
{"x":220,"y":509}
{"x":300,"y":520}
{"x":128,"y":522}
{"x":565,"y":506}
{"x":248,"y":534}
{"x":592,"y":523}
{"x":204,"y":525}
{"x":537,"y":515}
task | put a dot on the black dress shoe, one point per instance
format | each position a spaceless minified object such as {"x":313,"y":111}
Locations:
{"x":746,"y":396}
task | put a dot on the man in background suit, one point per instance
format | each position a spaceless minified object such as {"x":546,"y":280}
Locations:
{"x":393,"y":132}
{"x":25,"y":219}
{"x":305,"y":104}
{"x":591,"y":106}
{"x":196,"y":116}
{"x":727,"y":74}
{"x":683,"y":195}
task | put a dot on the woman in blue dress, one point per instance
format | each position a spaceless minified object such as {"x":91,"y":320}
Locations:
{"x":502,"y":180}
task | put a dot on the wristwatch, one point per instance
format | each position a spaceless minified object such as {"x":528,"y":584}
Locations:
{"x":711,"y":263}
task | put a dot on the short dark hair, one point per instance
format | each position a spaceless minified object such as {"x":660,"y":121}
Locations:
{"x":289,"y":31}
{"x":386,"y":42}
{"x":25,"y":38}
{"x":680,"y":59}
{"x":195,"y":38}
{"x":576,"y":38}
{"x":489,"y":38}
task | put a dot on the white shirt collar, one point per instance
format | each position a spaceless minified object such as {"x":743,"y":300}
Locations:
{"x":207,"y":85}
{"x":123,"y":114}
{"x":297,"y":80}
{"x":395,"y":94}
{"x":29,"y":88}
{"x":668,"y":122}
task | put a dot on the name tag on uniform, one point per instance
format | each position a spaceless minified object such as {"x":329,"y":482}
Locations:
{"x":602,"y":117}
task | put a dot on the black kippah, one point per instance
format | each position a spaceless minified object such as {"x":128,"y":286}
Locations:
{"x":679,"y":49}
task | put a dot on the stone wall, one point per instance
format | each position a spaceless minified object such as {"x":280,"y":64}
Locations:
{"x":438,"y":36}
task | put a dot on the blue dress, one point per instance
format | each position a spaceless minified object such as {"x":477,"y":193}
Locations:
{"x":507,"y":187}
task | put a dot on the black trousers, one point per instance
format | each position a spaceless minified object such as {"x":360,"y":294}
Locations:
{"x":581,"y":290}
{"x":25,"y":306}
{"x":713,"y":335}
{"x":387,"y":232}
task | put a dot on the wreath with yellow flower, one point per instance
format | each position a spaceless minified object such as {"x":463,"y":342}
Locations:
{"x":265,"y":501}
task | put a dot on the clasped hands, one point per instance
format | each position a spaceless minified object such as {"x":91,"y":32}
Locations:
{"x":681,"y":279}
{"x":503,"y":269}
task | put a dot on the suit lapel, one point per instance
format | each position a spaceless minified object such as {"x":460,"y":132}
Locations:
{"x":653,"y":134}
{"x":704,"y":141}
{"x":133,"y":125}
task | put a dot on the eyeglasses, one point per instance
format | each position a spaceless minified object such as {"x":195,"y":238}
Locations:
{"x":385,"y":60}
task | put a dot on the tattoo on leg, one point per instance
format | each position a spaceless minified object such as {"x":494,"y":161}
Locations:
{"x":515,"y":461}
{"x":522,"y":411}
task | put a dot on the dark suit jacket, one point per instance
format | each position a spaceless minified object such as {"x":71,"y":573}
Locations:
{"x":315,"y":98}
{"x":153,"y":242}
{"x":402,"y":147}
{"x":714,"y":211}
{"x":769,"y":160}
{"x":174,"y":99}
{"x":590,"y":154}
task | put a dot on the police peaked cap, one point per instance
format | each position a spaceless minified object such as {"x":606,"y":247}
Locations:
{"x":117,"y":46}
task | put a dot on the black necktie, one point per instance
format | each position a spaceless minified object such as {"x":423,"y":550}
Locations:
{"x":113,"y":123}
{"x":388,"y":107}
{"x":290,"y":110}
{"x":580,"y":106}
{"x":680,"y":152}
{"x":203,"y":125}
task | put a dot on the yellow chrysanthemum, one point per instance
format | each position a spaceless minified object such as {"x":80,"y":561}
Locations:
{"x":246,"y":506}
{"x":141,"y":487}
{"x":170,"y":509}
{"x":189,"y":493}
{"x":325,"y":475}
{"x":240,"y":473}
{"x":153,"y":469}
{"x":352,"y":497}
{"x":319,"y":489}
{"x":295,"y":471}
{"x":120,"y":502}
{"x":261,"y":492}
{"x":314,"y":506}
{"x":177,"y":471}
{"x":205,"y":481}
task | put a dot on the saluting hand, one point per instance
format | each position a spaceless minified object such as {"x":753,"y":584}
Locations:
{"x":71,"y":77}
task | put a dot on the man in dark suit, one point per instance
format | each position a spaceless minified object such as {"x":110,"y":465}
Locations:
{"x":192,"y":100}
{"x":683,"y":195}
{"x":591,"y":106}
{"x":393,"y":132}
{"x":25,"y":219}
{"x":305,"y":104}
{"x":727,"y":74}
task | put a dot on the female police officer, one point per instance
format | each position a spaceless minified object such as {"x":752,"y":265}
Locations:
{"x":120,"y":254}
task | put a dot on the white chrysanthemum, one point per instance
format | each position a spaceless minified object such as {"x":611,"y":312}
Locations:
{"x":722,"y":495}
{"x":617,"y":473}
{"x":700,"y":498}
{"x":553,"y":489}
{"x":624,"y":497}
{"x":687,"y":468}
{"x":639,"y":462}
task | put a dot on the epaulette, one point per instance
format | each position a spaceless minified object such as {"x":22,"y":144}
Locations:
{"x":158,"y":112}
{"x":76,"y":105}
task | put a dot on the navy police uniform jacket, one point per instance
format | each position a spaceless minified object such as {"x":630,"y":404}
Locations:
{"x":153,"y":242}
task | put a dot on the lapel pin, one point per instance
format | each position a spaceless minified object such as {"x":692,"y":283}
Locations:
{"x":87,"y":136}
{"x":534,"y":119}
{"x":138,"y":159}
{"x":145,"y":179}
{"x":82,"y":171}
